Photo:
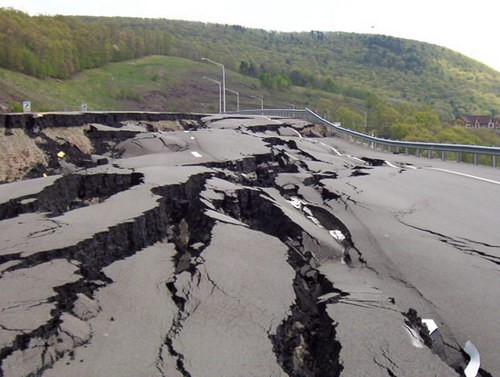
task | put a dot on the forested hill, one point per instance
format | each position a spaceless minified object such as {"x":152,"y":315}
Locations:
{"x":354,"y":65}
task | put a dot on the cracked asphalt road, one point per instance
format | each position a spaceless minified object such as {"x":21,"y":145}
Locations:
{"x":243,"y":247}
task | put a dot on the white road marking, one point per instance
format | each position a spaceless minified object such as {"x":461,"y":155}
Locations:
{"x":416,"y":340}
{"x":340,"y":154}
{"x":466,"y":175}
{"x":192,"y":137}
{"x":332,"y":148}
{"x":475,"y":360}
{"x":356,"y":158}
{"x":271,"y":120}
{"x":297,"y":132}
{"x":410,"y":167}
{"x":391,"y":164}
{"x":196,"y":154}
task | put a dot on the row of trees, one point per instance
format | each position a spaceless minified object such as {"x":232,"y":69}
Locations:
{"x":60,"y":46}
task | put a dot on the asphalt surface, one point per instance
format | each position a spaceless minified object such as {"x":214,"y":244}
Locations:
{"x":245,"y":248}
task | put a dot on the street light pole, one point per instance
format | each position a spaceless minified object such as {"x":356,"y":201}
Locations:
{"x":261,"y":101}
{"x":220,"y":65}
{"x":237,"y":99}
{"x":220,"y":91}
{"x":366,"y":118}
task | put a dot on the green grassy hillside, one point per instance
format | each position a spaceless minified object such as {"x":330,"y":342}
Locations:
{"x":154,"y":83}
{"x":159,"y":83}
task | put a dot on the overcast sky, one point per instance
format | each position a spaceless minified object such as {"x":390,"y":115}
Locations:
{"x":470,"y":27}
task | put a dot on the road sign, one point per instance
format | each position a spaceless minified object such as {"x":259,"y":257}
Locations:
{"x":27,"y":106}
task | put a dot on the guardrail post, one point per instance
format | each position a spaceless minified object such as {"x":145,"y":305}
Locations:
{"x":443,"y":155}
{"x":494,"y":161}
{"x":458,"y":156}
{"x":417,"y":152}
{"x":475,"y":158}
{"x":429,"y":153}
{"x":406,"y":152}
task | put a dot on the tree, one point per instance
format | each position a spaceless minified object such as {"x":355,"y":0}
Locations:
{"x":349,"y":118}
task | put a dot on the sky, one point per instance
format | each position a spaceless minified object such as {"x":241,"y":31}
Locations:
{"x":469,"y":27}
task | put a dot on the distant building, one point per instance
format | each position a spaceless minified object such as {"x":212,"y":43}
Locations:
{"x":480,"y":121}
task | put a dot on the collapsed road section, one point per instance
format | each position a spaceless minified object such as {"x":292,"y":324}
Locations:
{"x":216,"y":246}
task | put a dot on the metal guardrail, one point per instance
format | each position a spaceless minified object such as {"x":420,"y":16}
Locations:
{"x":409,"y":147}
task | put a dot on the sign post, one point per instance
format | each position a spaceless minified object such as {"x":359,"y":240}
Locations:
{"x":27,"y":106}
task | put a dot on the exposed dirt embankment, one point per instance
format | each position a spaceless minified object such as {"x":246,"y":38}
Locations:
{"x":31,"y":144}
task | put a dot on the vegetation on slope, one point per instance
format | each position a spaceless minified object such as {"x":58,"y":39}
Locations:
{"x":396,"y":88}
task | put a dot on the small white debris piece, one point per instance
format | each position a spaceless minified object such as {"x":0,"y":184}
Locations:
{"x":316,"y":221}
{"x":61,"y":154}
{"x":196,"y":154}
{"x":475,"y":360}
{"x":430,"y":324}
{"x":296,"y":202}
{"x":337,"y":234}
{"x":307,"y":211}
{"x":416,"y":340}
{"x":27,"y":201}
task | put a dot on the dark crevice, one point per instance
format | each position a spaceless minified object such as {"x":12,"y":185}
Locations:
{"x":51,"y":148}
{"x":104,"y":142}
{"x":117,"y":243}
{"x":188,"y":226}
{"x":373,"y":161}
{"x":459,"y":245}
{"x":389,"y":371}
{"x":434,"y":342}
{"x":291,"y":144}
{"x":71,"y":192}
{"x":179,"y":358}
{"x":480,"y":243}
{"x":331,"y":222}
{"x":305,"y":342}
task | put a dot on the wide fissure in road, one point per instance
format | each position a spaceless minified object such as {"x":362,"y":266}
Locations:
{"x":229,"y":245}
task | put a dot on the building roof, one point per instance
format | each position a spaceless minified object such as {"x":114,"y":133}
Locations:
{"x":481,"y":119}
